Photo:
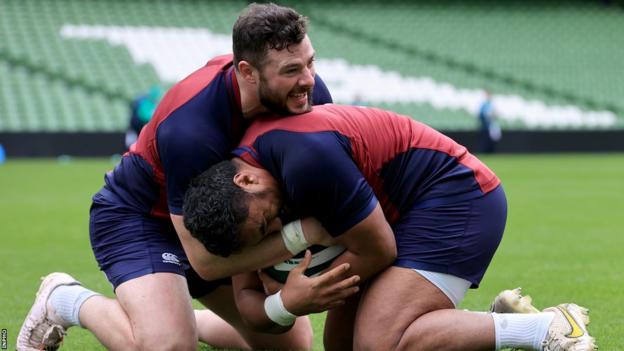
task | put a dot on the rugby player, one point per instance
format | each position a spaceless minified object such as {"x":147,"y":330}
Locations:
{"x":416,"y":211}
{"x":136,"y":225}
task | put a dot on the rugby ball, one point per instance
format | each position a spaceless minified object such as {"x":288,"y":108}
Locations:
{"x":322,"y":258}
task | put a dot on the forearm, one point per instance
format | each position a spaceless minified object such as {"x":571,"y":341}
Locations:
{"x":268,"y":252}
{"x":365,"y":265}
{"x":250,"y":303}
{"x":370,"y":245}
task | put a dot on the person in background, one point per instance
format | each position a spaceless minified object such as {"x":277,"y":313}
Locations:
{"x":489,"y":129}
{"x":141,"y":111}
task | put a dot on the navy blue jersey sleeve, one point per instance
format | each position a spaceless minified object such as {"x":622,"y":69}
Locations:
{"x":320,"y":94}
{"x":185,"y":151}
{"x":318,"y":176}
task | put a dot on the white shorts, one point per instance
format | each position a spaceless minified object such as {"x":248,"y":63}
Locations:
{"x":453,"y":287}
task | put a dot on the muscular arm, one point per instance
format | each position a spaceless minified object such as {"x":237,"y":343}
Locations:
{"x":269,"y":251}
{"x":339,"y":196}
{"x":313,"y":294}
{"x":370,"y":247}
{"x":370,"y":244}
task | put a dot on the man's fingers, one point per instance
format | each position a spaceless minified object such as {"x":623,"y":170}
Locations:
{"x":342,"y":294}
{"x":337,"y":299}
{"x":335,"y":274}
{"x":334,"y":294}
{"x":329,"y":305}
{"x":347,"y":283}
{"x":303,"y":265}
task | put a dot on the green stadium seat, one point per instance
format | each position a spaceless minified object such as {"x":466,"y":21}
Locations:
{"x":465,"y":44}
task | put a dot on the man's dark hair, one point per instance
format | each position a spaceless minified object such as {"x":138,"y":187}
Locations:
{"x":214,"y":209}
{"x":261,"y":27}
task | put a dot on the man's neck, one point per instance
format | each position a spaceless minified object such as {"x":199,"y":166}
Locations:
{"x":250,"y":104}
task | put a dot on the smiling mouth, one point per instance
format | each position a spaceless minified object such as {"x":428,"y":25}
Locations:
{"x":299,"y":95}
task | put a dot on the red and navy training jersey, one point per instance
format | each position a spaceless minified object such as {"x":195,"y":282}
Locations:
{"x":337,"y":162}
{"x":197,"y":124}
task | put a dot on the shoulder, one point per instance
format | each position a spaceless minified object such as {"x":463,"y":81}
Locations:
{"x":320,"y":94}
{"x":185,"y":90}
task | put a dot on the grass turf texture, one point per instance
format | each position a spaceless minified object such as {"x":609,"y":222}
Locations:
{"x":563,"y":240}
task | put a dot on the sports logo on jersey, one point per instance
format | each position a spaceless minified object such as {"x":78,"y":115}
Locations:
{"x":170,"y":258}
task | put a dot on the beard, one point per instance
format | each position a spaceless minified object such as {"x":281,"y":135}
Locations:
{"x":275,"y":103}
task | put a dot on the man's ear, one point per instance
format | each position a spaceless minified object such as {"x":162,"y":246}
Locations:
{"x":248,"y":72}
{"x":246,"y":181}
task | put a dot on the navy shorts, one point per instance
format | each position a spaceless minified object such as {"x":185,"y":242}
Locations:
{"x":128,"y":244}
{"x":458,"y":238}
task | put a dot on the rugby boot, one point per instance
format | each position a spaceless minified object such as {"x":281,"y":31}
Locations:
{"x":43,"y":329}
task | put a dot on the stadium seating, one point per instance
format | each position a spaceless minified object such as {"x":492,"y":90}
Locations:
{"x":533,"y":56}
{"x":560,"y":53}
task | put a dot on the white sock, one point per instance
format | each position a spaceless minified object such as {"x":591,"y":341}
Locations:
{"x":67,"y":299}
{"x":521,"y":330}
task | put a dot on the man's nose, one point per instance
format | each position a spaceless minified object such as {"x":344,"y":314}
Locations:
{"x":307,"y":77}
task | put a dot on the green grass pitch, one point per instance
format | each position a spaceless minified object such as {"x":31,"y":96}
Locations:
{"x":563,"y":240}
